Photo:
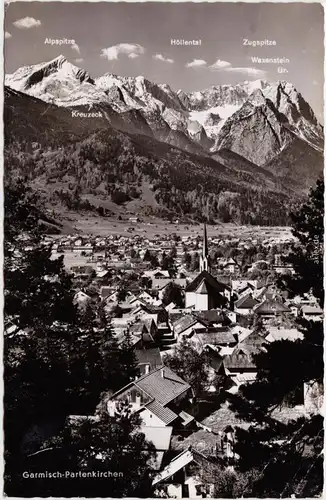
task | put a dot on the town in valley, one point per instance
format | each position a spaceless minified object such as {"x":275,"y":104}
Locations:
{"x":163,"y":250}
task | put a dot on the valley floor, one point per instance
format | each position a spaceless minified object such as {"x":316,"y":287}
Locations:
{"x":150,"y":226}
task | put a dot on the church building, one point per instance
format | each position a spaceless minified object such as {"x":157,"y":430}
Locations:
{"x":205,"y":292}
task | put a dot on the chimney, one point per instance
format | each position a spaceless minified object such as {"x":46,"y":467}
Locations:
{"x":162,"y":373}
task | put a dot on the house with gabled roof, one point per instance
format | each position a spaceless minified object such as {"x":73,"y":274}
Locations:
{"x":157,"y":396}
{"x":270,"y":308}
{"x":230,"y":266}
{"x":276,"y":333}
{"x":146,"y":328}
{"x":218,"y":336}
{"x":245,"y":305}
{"x":81,"y":299}
{"x":240,"y":366}
{"x":239,"y":361}
{"x":180,"y":478}
{"x":184,"y":326}
{"x":205,"y":293}
{"x":142,"y":297}
{"x":148,"y":358}
{"x":160,"y":438}
{"x":213,"y":317}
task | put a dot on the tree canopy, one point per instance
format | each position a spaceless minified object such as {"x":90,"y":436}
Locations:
{"x":287,"y":454}
{"x":189,"y":365}
{"x":57,"y":362}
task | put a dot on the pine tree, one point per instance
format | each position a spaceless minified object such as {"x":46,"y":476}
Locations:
{"x":307,"y":255}
{"x":38,"y":290}
{"x":113,"y":448}
{"x":173,"y":293}
{"x":39,"y":306}
{"x":191,"y":366}
{"x":295,"y":465}
{"x":194,"y":266}
{"x":127,"y":361}
{"x":61,"y":361}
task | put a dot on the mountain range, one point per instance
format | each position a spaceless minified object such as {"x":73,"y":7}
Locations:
{"x":256,"y":134}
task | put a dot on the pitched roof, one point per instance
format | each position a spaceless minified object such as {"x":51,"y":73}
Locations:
{"x":253,"y":339}
{"x":150,"y":356}
{"x":143,"y":325}
{"x":212,"y":316}
{"x":185,"y":322}
{"x":216,"y":338}
{"x":186,"y":418}
{"x":241,"y":332}
{"x":212,"y":285}
{"x":271,"y":306}
{"x":222,"y":418}
{"x":156,"y":272}
{"x":246,"y":302}
{"x":162,"y":384}
{"x":106,"y":291}
{"x":175,"y":316}
{"x":241,"y":284}
{"x":215,"y":360}
{"x":229,"y":261}
{"x":151,"y":309}
{"x":162,"y":412}
{"x":179,"y":462}
{"x":202,"y":289}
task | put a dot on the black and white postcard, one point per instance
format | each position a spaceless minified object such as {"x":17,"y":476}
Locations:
{"x":163,"y":249}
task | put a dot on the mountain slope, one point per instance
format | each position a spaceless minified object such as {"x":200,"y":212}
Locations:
{"x":137,"y":140}
{"x":193,"y":121}
{"x":256,"y":131}
{"x":106,"y":163}
{"x":298,"y":164}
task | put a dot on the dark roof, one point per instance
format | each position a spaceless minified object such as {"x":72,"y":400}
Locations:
{"x":162,"y":388}
{"x":106,"y":291}
{"x":210,"y":282}
{"x":215,"y":360}
{"x":185,"y":322}
{"x":246,"y":302}
{"x":271,"y":306}
{"x":151,"y":309}
{"x":217,"y":338}
{"x":150,"y":356}
{"x":253,"y":339}
{"x":175,"y":316}
{"x":222,"y":418}
{"x":162,"y":412}
{"x":210,"y":317}
{"x":143,"y":329}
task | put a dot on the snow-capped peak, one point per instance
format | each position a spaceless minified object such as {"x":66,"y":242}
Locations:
{"x":199,"y":113}
{"x":59,"y":60}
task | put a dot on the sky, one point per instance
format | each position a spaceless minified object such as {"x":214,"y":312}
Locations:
{"x":134,"y":39}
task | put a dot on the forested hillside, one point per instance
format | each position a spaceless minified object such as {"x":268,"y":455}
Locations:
{"x":71,"y":158}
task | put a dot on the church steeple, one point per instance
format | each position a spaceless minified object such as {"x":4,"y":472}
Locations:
{"x":204,"y":259}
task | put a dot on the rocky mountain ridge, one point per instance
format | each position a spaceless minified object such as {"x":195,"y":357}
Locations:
{"x":84,"y":164}
{"x":233,"y":117}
